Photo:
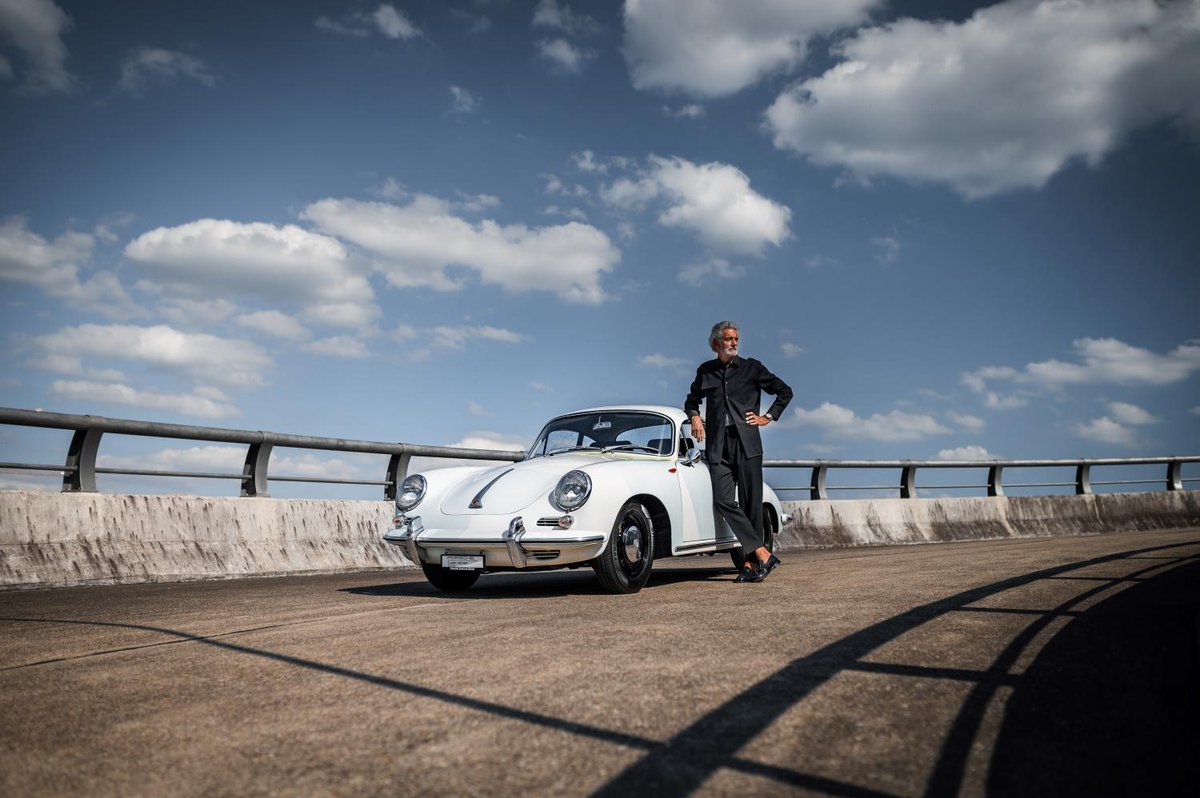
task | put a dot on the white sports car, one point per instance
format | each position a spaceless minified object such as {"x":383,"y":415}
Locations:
{"x":612,"y":487}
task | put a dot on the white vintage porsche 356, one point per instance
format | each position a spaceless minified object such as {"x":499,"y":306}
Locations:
{"x":612,"y":487}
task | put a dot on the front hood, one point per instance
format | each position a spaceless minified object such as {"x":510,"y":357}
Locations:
{"x":514,"y":486}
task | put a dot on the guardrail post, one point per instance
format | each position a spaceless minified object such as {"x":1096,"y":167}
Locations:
{"x":397,"y":470}
{"x":1174,"y":475}
{"x":908,"y":482}
{"x":818,"y":492}
{"x":1083,"y":480}
{"x":995,"y":486}
{"x":80,"y":476}
{"x":254,"y":472}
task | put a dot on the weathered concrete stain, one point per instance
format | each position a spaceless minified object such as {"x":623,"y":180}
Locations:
{"x":875,"y":522}
{"x":59,"y":539}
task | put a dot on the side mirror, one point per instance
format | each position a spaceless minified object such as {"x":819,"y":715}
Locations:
{"x":692,"y":457}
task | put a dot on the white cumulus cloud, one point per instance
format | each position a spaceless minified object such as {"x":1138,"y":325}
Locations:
{"x":702,"y":273}
{"x":1126,"y":413}
{"x":841,"y":422}
{"x":966,"y":421}
{"x":1105,"y":430}
{"x":1108,"y":360}
{"x":34,"y":29}
{"x":713,"y":48}
{"x":713,"y":200}
{"x":965,"y":453}
{"x":563,"y":54}
{"x":56,"y":268}
{"x":199,"y":356}
{"x":1002,"y":100}
{"x":385,"y":20}
{"x":274,"y":324}
{"x":414,"y":244}
{"x":677,"y":365}
{"x":221,"y":257}
{"x":153,"y":65}
{"x":338,"y":346}
{"x":194,"y":404}
{"x":464,"y":102}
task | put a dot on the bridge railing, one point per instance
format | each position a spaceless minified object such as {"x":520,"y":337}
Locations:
{"x":79,"y":469}
{"x":819,"y":487}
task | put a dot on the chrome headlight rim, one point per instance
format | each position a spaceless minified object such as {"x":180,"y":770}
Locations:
{"x":411,"y":492}
{"x":573,"y":490}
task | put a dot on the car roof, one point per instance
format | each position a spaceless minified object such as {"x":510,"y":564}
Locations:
{"x":674,"y":413}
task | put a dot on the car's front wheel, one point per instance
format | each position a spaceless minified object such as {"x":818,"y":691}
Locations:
{"x":446,"y":579}
{"x":624,"y":565}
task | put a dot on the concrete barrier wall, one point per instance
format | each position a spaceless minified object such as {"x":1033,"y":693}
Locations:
{"x":57,"y":539}
{"x":821,"y":524}
{"x":60,"y":539}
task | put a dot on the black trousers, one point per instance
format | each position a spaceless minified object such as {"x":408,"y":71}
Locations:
{"x":733,"y":470}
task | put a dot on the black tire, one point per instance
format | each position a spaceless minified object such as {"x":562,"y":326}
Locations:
{"x":625,"y":564}
{"x":446,"y":579}
{"x":736,"y":555}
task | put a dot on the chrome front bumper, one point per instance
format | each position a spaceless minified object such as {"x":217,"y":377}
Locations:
{"x":513,"y":548}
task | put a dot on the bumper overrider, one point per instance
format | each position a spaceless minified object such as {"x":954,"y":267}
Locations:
{"x":514,"y":547}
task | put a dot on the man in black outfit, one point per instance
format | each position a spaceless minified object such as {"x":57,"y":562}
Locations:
{"x":730,"y":387}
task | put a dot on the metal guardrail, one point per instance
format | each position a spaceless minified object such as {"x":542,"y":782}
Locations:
{"x":819,"y":488}
{"x":79,"y":471}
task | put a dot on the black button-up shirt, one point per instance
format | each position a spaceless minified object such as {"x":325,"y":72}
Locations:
{"x":729,"y":391}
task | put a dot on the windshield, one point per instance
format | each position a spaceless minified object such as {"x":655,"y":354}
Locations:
{"x":622,"y":431}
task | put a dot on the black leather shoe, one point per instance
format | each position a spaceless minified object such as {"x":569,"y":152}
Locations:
{"x":749,"y":573}
{"x":770,"y":565}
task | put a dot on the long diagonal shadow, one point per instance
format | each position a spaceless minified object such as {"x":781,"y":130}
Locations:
{"x":693,"y":755}
{"x":826,"y":785}
{"x":681,"y":764}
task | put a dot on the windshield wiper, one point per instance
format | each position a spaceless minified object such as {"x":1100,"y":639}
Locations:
{"x":570,"y":449}
{"x":618,"y":446}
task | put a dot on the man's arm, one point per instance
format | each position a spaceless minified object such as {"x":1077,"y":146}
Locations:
{"x":771,"y":384}
{"x":691,"y":406}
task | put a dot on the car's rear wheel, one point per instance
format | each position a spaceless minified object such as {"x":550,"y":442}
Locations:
{"x":624,"y":565}
{"x":769,"y":524}
{"x":446,"y":579}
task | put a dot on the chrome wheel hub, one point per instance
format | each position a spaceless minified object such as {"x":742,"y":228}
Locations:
{"x":631,"y":539}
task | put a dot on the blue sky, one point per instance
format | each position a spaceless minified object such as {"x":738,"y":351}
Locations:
{"x":955,"y":230}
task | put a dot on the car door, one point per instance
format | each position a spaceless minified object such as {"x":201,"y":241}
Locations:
{"x":700,"y":524}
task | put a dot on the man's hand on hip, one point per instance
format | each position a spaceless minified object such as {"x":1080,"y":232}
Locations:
{"x":755,"y":420}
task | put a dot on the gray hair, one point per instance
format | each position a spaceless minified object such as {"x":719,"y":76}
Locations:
{"x":715,"y":336}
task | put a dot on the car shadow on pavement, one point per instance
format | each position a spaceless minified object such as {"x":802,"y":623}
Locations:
{"x":548,"y":584}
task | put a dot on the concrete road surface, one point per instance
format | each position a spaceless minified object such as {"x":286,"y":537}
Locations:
{"x":1062,"y":666}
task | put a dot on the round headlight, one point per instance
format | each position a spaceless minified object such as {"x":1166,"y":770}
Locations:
{"x":412,"y":490}
{"x":571,"y":491}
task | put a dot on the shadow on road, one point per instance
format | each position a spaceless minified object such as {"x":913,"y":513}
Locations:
{"x":691,"y":757}
{"x":549,"y":584}
{"x":1109,"y":707}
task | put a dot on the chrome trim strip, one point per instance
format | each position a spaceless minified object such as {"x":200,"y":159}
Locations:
{"x":477,"y":502}
{"x":428,"y":540}
{"x":705,"y":544}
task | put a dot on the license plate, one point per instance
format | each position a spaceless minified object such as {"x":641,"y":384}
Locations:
{"x":463,"y":562}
